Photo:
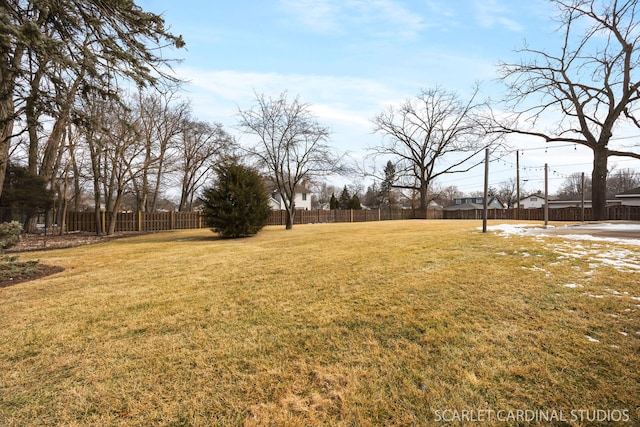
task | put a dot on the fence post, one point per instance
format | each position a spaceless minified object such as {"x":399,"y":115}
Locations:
{"x":103,"y":222}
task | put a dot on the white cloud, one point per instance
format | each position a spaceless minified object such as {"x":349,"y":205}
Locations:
{"x":317,"y":15}
{"x":239,"y":87}
{"x":491,"y":13}
{"x":344,"y":104}
{"x":381,"y":17}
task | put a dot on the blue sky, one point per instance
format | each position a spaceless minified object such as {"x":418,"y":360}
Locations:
{"x":351,"y":59}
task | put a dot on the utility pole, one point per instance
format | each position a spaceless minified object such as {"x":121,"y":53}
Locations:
{"x":546,"y":195}
{"x":485,"y":206}
{"x":582,"y":199}
{"x":518,"y":184}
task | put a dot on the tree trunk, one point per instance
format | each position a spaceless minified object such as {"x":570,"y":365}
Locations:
{"x":599,"y":185}
{"x":98,"y":214}
{"x":96,"y":157}
{"x":6,"y":130}
{"x":423,"y":195}
{"x":77,"y":188}
{"x":32,"y":114}
{"x":290,"y":216}
{"x":10,"y":63}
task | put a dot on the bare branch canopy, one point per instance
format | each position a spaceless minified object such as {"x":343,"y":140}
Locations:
{"x":292,"y":146}
{"x":434,"y":134}
{"x":589,"y":86}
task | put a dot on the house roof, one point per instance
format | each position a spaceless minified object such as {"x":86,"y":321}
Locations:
{"x":634,"y":192}
{"x":471,"y":206}
{"x":538,"y":195}
{"x":270,"y":185}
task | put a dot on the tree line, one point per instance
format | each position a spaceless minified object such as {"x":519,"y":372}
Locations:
{"x":90,"y":106}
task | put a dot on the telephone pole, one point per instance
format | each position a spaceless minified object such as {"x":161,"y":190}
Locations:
{"x":546,"y":195}
{"x":485,"y":207}
{"x":518,"y":184}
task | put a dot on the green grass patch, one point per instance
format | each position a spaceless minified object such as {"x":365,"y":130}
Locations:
{"x":385,"y":323}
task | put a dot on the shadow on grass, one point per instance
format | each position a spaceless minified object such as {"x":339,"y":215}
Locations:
{"x":169,"y":237}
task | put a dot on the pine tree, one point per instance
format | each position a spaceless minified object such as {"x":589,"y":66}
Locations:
{"x":24,"y":195}
{"x":355,"y":203}
{"x":345,"y":199}
{"x":387,"y":184}
{"x":333,"y":203}
{"x":237,"y":205}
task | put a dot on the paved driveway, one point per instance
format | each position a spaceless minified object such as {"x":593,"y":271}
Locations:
{"x":617,"y":230}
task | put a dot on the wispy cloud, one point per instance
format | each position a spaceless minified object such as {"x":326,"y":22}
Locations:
{"x":341,"y":17}
{"x":344,"y":104}
{"x":492,"y":13}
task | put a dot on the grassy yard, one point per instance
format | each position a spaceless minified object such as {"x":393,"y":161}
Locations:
{"x":390,"y":323}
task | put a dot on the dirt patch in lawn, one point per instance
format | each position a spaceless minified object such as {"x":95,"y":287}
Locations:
{"x":12,"y":271}
{"x":39,"y":242}
{"x":13,"y":276}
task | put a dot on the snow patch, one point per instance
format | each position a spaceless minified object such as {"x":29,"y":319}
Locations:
{"x":591,"y":339}
{"x":573,"y":285}
{"x":622,"y":259}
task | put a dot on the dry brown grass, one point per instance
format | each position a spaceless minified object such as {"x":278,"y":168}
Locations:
{"x":343,"y":324}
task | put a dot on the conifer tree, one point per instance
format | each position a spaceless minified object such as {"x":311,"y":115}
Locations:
{"x":345,"y":199}
{"x":333,"y":203}
{"x":355,"y":203}
{"x":237,"y":205}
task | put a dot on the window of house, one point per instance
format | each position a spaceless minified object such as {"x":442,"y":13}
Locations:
{"x":534,"y":199}
{"x":304,"y":196}
{"x":458,"y":202}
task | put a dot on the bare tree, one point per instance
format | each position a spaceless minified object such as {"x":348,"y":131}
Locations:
{"x":446,"y":195}
{"x":591,"y":82}
{"x":507,"y":192}
{"x":572,"y":187}
{"x":123,"y":158}
{"x":434,"y":134}
{"x":621,"y":180}
{"x":116,"y":151}
{"x":200,"y":144}
{"x":291,"y":145}
{"x":322,"y":195}
{"x":161,"y":119}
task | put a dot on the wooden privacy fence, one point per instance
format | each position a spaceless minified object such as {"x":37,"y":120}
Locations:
{"x":134,"y":221}
{"x":337,"y":215}
{"x":144,"y":221}
{"x":614,"y":213}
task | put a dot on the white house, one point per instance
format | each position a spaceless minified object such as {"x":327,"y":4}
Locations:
{"x":630,"y":198}
{"x":533,"y":201}
{"x":302,"y":198}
